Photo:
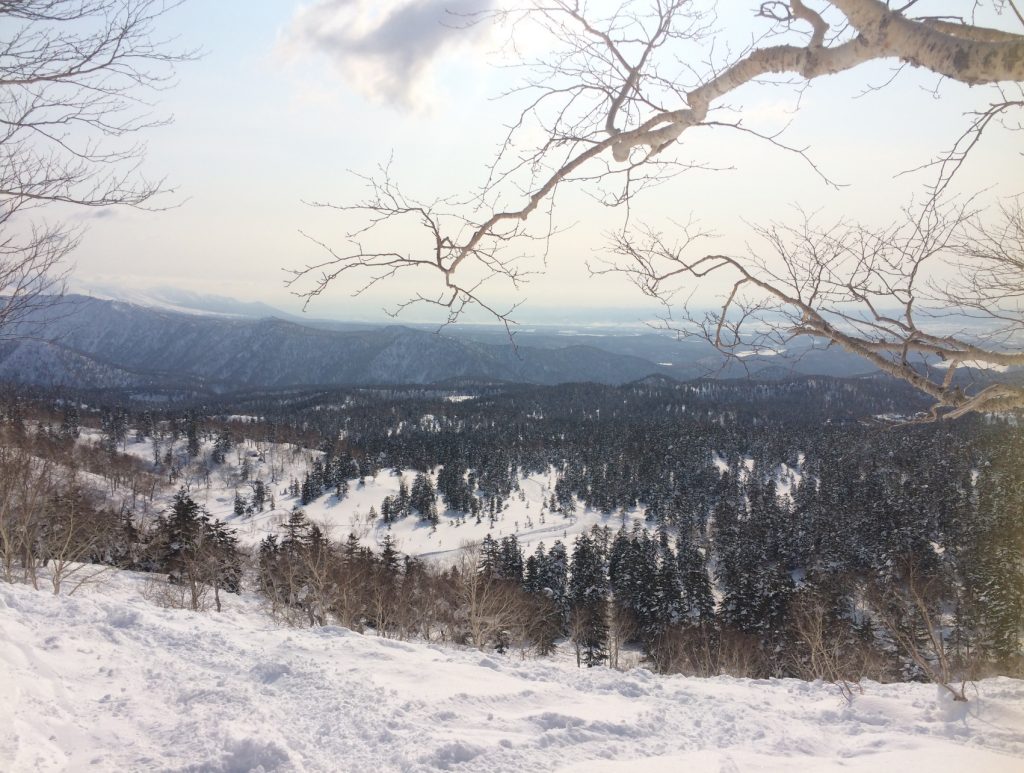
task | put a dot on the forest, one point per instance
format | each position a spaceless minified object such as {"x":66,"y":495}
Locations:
{"x":799,"y":528}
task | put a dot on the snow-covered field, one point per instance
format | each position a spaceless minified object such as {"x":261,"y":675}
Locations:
{"x":105,"y":681}
{"x":524,"y":517}
{"x":525,"y":514}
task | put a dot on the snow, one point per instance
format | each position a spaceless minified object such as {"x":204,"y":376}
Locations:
{"x":525,"y":513}
{"x":415,"y":537}
{"x":148,"y":299}
{"x":761,"y":353}
{"x":106,"y":680}
{"x":522,"y":515}
{"x":720,"y":463}
{"x":103,"y":680}
{"x":974,"y":364}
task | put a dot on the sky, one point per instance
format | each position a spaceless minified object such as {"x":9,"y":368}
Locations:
{"x":290,"y":101}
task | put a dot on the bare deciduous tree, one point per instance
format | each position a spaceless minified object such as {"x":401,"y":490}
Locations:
{"x":610,"y":102}
{"x":27,"y":482}
{"x":909,"y":610}
{"x":908,"y":298}
{"x":75,"y":532}
{"x":73,"y":74}
{"x":492,"y":607}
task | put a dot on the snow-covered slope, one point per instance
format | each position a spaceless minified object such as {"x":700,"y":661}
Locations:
{"x":105,"y":681}
{"x":525,"y":514}
{"x":523,"y":517}
{"x":174,"y":299}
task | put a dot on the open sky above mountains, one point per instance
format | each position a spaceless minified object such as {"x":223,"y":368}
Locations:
{"x":291,"y":97}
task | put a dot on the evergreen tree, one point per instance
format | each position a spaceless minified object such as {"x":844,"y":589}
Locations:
{"x":198,"y":552}
{"x":388,"y":510}
{"x":259,"y":495}
{"x":422,"y":498}
{"x":114,"y":426}
{"x":307,"y":492}
{"x":510,"y":560}
{"x":389,"y":556}
{"x":697,"y":602}
{"x":401,"y":509}
{"x":340,"y":488}
{"x":588,"y":602}
{"x":182,"y":533}
{"x":668,"y":584}
{"x":490,"y":557}
{"x":192,"y":434}
{"x":563,"y":495}
{"x":453,"y":488}
{"x":70,"y":422}
{"x":221,"y":445}
{"x":227,"y":570}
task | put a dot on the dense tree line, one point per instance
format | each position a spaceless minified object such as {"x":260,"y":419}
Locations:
{"x":788,"y":533}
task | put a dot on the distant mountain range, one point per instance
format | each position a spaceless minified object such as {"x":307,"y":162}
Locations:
{"x":91,"y":342}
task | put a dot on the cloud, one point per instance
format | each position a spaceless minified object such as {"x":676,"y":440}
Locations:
{"x":99,"y":213}
{"x":388,"y":50}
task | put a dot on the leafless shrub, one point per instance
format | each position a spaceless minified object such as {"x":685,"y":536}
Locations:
{"x":908,"y":607}
{"x":161,"y":592}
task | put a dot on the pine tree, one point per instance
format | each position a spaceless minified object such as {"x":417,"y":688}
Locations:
{"x":388,"y":510}
{"x":182,"y":533}
{"x":114,"y":426}
{"x":697,"y":603}
{"x":422,"y":498}
{"x":70,"y":423}
{"x":453,"y":488}
{"x":510,"y":560}
{"x":296,"y":530}
{"x":490,"y":557}
{"x":389,"y":556}
{"x":192,"y":434}
{"x":669,"y":593}
{"x":259,"y":495}
{"x":533,"y":569}
{"x":221,"y":446}
{"x":198,"y":552}
{"x":340,"y":488}
{"x":267,"y":566}
{"x":227,"y":567}
{"x":588,"y":601}
{"x":401,"y":509}
{"x":563,"y":495}
{"x":307,"y":492}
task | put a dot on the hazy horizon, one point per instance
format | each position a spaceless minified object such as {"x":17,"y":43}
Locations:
{"x":281,"y":111}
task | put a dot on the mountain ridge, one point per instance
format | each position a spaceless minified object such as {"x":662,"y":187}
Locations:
{"x":98,"y":342}
{"x":89,"y":342}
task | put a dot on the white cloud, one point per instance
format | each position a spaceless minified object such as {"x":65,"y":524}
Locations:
{"x":388,"y":49}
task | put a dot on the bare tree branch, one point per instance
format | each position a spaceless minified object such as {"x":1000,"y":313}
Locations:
{"x":611,"y":102}
{"x":73,"y":74}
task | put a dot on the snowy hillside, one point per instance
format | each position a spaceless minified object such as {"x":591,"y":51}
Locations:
{"x":525,"y":515}
{"x":104,"y":680}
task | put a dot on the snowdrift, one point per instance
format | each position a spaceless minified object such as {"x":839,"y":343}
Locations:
{"x":104,"y":680}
